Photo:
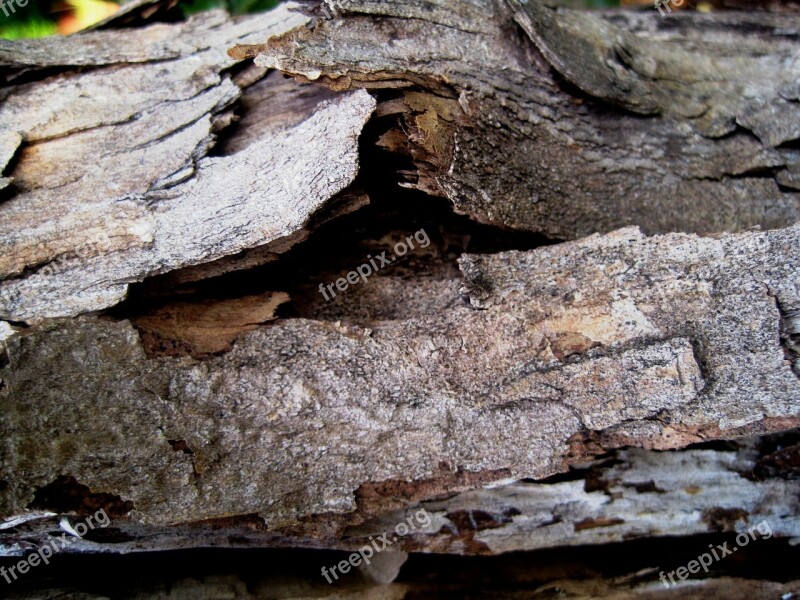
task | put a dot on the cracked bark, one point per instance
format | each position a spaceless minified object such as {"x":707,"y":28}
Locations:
{"x":677,"y":342}
{"x":168,"y":212}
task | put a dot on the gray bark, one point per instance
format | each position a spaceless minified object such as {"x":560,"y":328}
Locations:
{"x":617,"y":339}
{"x":676,"y":124}
{"x":154,"y":366}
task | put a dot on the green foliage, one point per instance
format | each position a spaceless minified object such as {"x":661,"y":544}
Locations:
{"x":237,"y":7}
{"x":28,"y":22}
{"x":30,"y":28}
{"x":38,"y":18}
{"x":191,"y":7}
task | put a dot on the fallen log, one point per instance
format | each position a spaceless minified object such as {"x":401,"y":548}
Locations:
{"x":500,"y":262}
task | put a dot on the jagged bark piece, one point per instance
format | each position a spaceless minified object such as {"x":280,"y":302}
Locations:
{"x":244,"y":207}
{"x":526,"y":151}
{"x":116,"y":173}
{"x":496,"y":94}
{"x":612,"y":340}
{"x":159,"y":41}
{"x":9,"y":143}
{"x":628,"y":495}
{"x":631,"y":494}
{"x":644,"y":70}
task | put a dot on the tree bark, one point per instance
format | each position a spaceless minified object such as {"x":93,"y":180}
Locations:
{"x":175,"y":218}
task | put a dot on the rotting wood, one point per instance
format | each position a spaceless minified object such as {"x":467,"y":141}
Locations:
{"x":613,"y":340}
{"x":531,"y":150}
{"x":316,"y":432}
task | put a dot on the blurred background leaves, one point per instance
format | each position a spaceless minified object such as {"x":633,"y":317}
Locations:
{"x":236,"y":7}
{"x":48,"y":17}
{"x":43,"y":17}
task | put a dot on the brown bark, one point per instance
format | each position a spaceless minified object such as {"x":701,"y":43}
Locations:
{"x":171,"y":211}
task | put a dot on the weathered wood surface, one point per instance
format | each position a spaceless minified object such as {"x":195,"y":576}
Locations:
{"x":627,"y":495}
{"x":149,"y":152}
{"x":614,"y":340}
{"x":519,"y":146}
{"x":122,"y":146}
{"x":113,"y":182}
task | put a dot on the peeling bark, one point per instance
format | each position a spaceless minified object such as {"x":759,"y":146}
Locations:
{"x":131,"y":171}
{"x":527,"y":150}
{"x":169,"y":211}
{"x":655,"y":342}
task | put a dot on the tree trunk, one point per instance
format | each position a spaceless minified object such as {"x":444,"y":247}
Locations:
{"x":241,"y":309}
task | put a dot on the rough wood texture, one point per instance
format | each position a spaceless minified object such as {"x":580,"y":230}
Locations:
{"x":521,"y":147}
{"x":121,"y":158}
{"x":491,"y":125}
{"x":155,"y":180}
{"x":627,"y":495}
{"x":620,"y":339}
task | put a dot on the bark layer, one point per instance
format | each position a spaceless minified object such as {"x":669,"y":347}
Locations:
{"x":113,"y":184}
{"x":211,"y":418}
{"x":571,"y":123}
{"x":655,"y":342}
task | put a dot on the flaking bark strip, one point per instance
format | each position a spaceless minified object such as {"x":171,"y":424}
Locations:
{"x":529,"y":152}
{"x":300,"y":413}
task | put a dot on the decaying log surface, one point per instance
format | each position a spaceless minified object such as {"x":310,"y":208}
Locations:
{"x":520,"y":117}
{"x":116,"y":169}
{"x":627,"y":495}
{"x":612,"y":340}
{"x":161,"y":358}
{"x":510,"y":140}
